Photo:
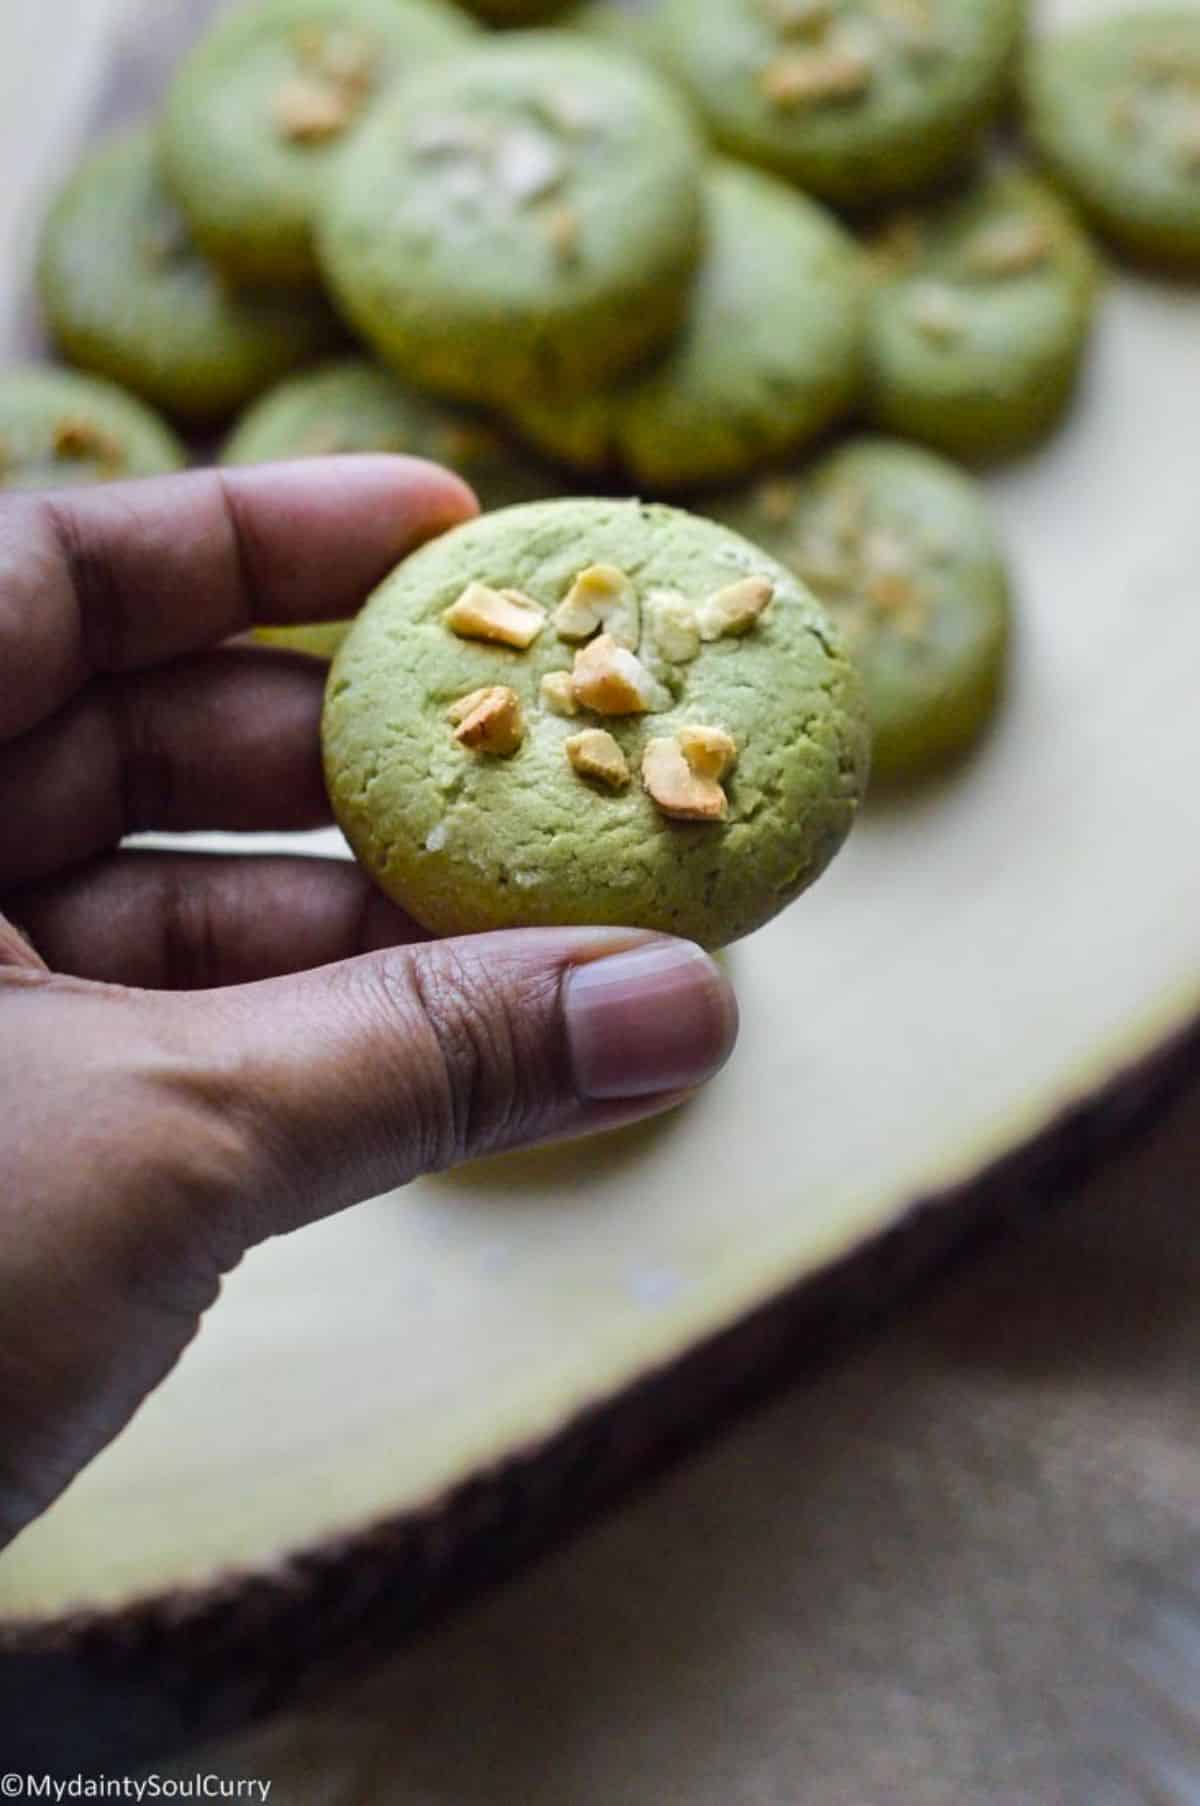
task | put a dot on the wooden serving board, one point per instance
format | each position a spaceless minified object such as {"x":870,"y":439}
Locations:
{"x":988,"y":958}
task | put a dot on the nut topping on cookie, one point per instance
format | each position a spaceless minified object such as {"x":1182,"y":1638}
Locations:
{"x":799,"y":78}
{"x":557,"y":694}
{"x":682,"y":775}
{"x":938,"y":314}
{"x":673,"y":629}
{"x":1009,"y":248}
{"x":489,"y":721}
{"x":309,"y":110}
{"x":600,"y":597}
{"x":735,"y":609}
{"x":77,"y":437}
{"x":595,"y":754}
{"x":611,"y":680}
{"x":503,"y":616}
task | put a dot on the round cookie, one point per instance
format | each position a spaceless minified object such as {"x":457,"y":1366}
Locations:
{"x":980,"y":317}
{"x":496,"y":782}
{"x":128,"y":296}
{"x":899,"y":546}
{"x":771,"y":354}
{"x":1114,"y":108}
{"x":353,"y":406}
{"x":265,"y":105}
{"x":858,"y":101}
{"x":526,"y":217}
{"x":59,"y":429}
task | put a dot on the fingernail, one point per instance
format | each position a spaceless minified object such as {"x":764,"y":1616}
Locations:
{"x":659,"y":1018}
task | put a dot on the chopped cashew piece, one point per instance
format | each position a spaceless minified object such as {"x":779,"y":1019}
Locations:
{"x":557,"y":694}
{"x":309,"y":110}
{"x":799,"y":78}
{"x":489,"y":721}
{"x":682,"y":775}
{"x":600,"y":597}
{"x":1009,"y":248}
{"x":503,"y":616}
{"x":938,"y":314}
{"x":611,"y":680}
{"x":673,"y":629}
{"x":709,"y":751}
{"x":734,"y":610}
{"x":77,"y":437}
{"x":595,"y":754}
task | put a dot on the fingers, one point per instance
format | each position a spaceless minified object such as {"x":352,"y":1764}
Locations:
{"x":226,"y":739}
{"x":353,"y":1079}
{"x":126,"y":576}
{"x":181,"y":922}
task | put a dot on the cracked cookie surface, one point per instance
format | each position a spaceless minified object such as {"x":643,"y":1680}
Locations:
{"x":695,"y":794}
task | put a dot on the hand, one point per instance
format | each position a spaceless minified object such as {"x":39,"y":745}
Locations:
{"x":198,"y":1053}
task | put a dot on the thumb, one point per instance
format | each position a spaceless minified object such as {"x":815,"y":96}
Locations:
{"x":355,"y":1078}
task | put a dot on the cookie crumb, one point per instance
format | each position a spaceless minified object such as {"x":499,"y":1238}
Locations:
{"x":503,"y":617}
{"x":595,"y":754}
{"x":489,"y":721}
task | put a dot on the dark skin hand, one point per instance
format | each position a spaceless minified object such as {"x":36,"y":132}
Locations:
{"x":198,"y":1053}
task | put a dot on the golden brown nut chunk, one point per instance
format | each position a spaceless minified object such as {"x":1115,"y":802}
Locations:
{"x":611,"y":680}
{"x":798,"y":78}
{"x":601,"y":597}
{"x":489,"y":721}
{"x":309,"y":110}
{"x":77,"y":437}
{"x":682,"y":775}
{"x":595,"y":754}
{"x":735,"y":609}
{"x":502,"y":616}
{"x":1009,"y":248}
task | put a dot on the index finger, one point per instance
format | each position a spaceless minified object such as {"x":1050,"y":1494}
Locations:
{"x":123,"y":577}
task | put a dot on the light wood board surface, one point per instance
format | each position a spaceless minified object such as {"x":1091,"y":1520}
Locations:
{"x":977,"y":959}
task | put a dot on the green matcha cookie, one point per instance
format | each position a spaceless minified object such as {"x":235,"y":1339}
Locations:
{"x":58,"y":429}
{"x":900,"y":548}
{"x":589,"y":711}
{"x":772,"y":352}
{"x":352,"y":406}
{"x":528,"y":216}
{"x":265,"y":105}
{"x":980,"y":317}
{"x":127,"y":295}
{"x":1114,"y":108}
{"x":856,"y":100}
